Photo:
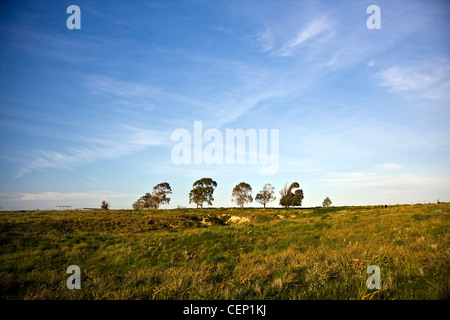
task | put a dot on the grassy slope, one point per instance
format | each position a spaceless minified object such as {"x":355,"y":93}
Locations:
{"x":193,"y":254}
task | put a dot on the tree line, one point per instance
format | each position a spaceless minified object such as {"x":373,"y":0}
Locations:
{"x":203,"y":190}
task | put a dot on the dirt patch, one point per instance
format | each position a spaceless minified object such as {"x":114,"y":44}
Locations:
{"x":236,"y":219}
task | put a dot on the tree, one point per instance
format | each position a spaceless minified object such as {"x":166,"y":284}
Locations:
{"x":155,"y":199}
{"x":266,"y":195}
{"x":202,"y":191}
{"x":289,"y":199}
{"x":147,"y":201}
{"x":284,"y":199}
{"x":160,"y":192}
{"x":137,"y":205}
{"x":242,"y":194}
{"x":105,"y":205}
{"x":326,"y":202}
{"x":298,"y":198}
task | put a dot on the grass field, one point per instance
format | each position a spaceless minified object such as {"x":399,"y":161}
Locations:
{"x":229,"y":253}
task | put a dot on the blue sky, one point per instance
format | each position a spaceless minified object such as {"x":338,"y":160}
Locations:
{"x":87,"y":115}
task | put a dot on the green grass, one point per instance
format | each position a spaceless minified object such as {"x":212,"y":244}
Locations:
{"x":318,"y":253}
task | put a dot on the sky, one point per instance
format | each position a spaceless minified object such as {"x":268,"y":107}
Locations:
{"x":88,"y":115}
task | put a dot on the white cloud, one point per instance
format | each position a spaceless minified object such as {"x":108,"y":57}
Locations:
{"x":277,"y":41}
{"x":429,"y":80}
{"x":140,"y":95}
{"x":48,"y":196}
{"x":314,"y":28}
{"x":393,"y":183}
{"x":229,"y":113}
{"x":390,"y":166}
{"x":128,"y":140}
{"x":333,"y":60}
{"x":267,"y":40}
{"x":246,"y":88}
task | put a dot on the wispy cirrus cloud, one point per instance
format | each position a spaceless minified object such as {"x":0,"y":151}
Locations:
{"x":312,"y":29}
{"x":129,"y":140}
{"x":319,"y":29}
{"x":58,"y":196}
{"x":430,"y":79}
{"x":387,"y":183}
{"x":267,"y":40}
{"x":390,"y":166}
{"x":139,"y":94}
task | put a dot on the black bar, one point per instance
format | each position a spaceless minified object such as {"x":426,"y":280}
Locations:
{"x":218,"y":309}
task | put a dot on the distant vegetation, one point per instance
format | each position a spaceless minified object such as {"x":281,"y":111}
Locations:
{"x":203,"y":190}
{"x":326,"y":202}
{"x":155,"y":199}
{"x":266,"y":195}
{"x":105,"y":205}
{"x":289,"y":198}
{"x":229,"y":253}
{"x":242,"y":194}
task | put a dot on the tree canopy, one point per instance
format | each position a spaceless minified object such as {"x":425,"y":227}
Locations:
{"x":105,"y":205}
{"x":289,"y":198}
{"x":326,"y":202}
{"x":266,"y":195}
{"x":155,"y":199}
{"x":160,"y":192}
{"x":202,"y":191}
{"x":242,"y":194}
